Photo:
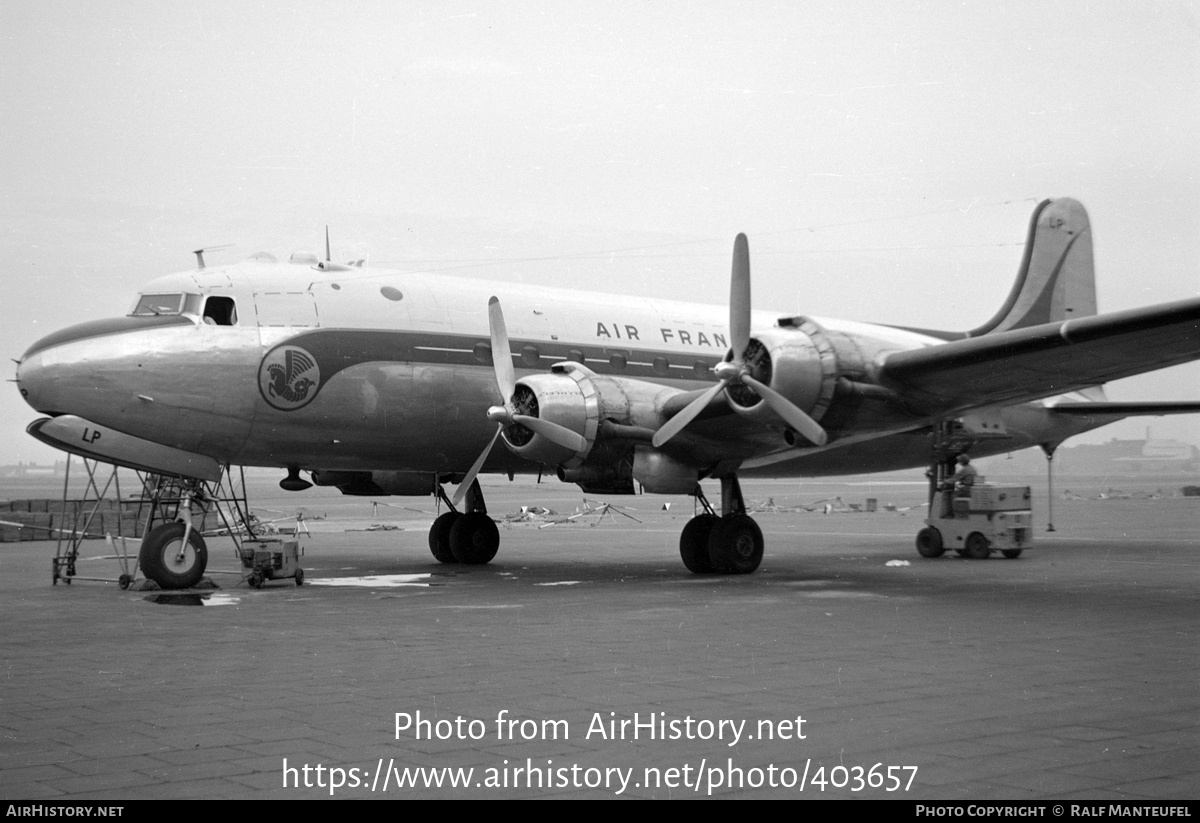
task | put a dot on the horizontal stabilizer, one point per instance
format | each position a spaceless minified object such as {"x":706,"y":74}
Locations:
{"x":1052,"y":358}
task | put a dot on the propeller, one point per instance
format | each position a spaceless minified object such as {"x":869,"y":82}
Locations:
{"x":509,"y":413}
{"x":737,"y":371}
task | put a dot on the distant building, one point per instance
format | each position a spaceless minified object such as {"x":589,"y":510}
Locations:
{"x":1116,"y":457}
{"x":34,"y":470}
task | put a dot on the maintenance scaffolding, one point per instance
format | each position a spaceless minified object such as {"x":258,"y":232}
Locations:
{"x":206,"y":508}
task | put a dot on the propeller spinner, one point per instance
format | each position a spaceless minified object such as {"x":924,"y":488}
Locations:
{"x":738,"y":369}
{"x":515,"y":404}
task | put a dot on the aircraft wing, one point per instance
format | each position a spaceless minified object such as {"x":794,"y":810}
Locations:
{"x":1134,"y":408}
{"x":1039,"y":361}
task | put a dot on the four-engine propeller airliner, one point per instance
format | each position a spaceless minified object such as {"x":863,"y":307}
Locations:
{"x":386,"y":382}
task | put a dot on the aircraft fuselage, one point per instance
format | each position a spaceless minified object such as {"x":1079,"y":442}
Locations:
{"x":396,"y":370}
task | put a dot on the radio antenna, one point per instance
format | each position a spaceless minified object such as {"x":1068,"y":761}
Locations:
{"x":200,"y":252}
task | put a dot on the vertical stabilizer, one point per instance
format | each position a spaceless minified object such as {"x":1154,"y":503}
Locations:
{"x":1057,"y":280}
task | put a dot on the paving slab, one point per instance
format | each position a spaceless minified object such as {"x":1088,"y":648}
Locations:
{"x":1073,"y":671}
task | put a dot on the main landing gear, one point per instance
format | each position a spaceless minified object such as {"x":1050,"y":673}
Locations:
{"x":731,"y":543}
{"x":469,"y":537}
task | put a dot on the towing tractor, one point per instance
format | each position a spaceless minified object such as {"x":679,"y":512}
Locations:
{"x":978,"y":520}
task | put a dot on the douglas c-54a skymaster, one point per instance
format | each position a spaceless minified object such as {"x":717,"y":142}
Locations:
{"x":385,"y":382}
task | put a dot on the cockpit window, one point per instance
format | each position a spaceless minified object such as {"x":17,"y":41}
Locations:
{"x":150,"y":305}
{"x":220,"y":311}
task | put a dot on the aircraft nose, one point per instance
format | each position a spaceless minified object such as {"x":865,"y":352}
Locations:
{"x":35,"y":381}
{"x":148,"y":377}
{"x":26,"y":377}
{"x":71,"y":367}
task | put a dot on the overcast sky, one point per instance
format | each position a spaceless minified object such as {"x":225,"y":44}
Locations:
{"x":883,"y":158}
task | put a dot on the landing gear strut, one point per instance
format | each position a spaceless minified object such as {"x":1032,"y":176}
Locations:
{"x":469,"y":537}
{"x":731,"y":543}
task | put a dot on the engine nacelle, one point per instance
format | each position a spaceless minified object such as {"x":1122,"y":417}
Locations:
{"x":662,"y":474}
{"x":577,"y":398}
{"x":797,"y":360}
{"x":601,"y":478}
{"x":567,"y":397}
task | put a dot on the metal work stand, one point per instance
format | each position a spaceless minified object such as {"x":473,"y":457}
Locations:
{"x":162,"y":499}
{"x":83,"y":513}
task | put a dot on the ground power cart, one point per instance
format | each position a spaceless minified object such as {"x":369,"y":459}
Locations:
{"x":977,"y":521}
{"x":272,"y":559}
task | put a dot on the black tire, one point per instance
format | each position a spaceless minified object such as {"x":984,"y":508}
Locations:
{"x":977,"y":546}
{"x":735,"y":545}
{"x":439,"y":537}
{"x":1011,"y":554}
{"x":693,"y":543}
{"x":474,"y":539}
{"x":164,"y":563}
{"x":929,"y":543}
{"x":299,"y":577}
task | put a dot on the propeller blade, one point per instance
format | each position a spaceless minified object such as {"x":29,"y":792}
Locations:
{"x":552,"y":432}
{"x":686,"y":415}
{"x":507,"y":381}
{"x":789,"y":411}
{"x":501,"y":353}
{"x":470,"y":476}
{"x":739,"y":298}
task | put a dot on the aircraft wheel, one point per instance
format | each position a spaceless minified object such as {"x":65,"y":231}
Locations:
{"x":693,"y":543}
{"x":474,"y":539}
{"x":977,"y":547}
{"x":735,"y":545}
{"x":124,"y":581}
{"x":1011,"y":554}
{"x":929,"y":543}
{"x":439,"y":537}
{"x":168,"y":562}
{"x":299,"y":577}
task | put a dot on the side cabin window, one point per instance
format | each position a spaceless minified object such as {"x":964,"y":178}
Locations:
{"x":153,"y":305}
{"x":220,"y":311}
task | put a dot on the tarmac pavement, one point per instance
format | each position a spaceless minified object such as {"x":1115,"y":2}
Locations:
{"x":832,"y":672}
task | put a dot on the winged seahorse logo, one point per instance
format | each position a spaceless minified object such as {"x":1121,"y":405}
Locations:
{"x":288,"y":378}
